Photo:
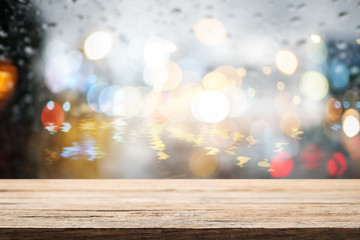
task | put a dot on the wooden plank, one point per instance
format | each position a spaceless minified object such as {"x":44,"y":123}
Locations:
{"x":178,"y":209}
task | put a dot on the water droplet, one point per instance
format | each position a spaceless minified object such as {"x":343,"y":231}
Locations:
{"x":301,"y":6}
{"x":176,"y":11}
{"x":3,"y":34}
{"x":29,"y":50}
{"x":301,"y":42}
{"x":28,"y":98}
{"x":258,"y":15}
{"x":295,"y":20}
{"x":342,"y":15}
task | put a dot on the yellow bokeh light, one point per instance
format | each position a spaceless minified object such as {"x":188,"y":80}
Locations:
{"x":350,"y":121}
{"x":97,"y":45}
{"x":267,"y":70}
{"x":296,"y":100}
{"x":231,"y":75}
{"x":290,"y":122}
{"x":358,"y":41}
{"x":241,"y":72}
{"x":215,"y":81}
{"x":286,"y":62}
{"x":201,"y":164}
{"x":210,"y":31}
{"x":314,"y":85}
{"x":280,"y":86}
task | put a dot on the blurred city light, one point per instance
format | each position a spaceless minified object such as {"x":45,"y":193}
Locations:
{"x":97,"y":45}
{"x":351,"y":124}
{"x":8,"y":81}
{"x":210,"y":31}
{"x":286,"y":61}
{"x":314,"y":85}
{"x":210,"y":107}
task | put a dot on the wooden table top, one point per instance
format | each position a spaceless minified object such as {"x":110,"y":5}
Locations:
{"x":178,"y":209}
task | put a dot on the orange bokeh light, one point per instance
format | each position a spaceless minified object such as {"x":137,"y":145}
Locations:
{"x":8,"y":80}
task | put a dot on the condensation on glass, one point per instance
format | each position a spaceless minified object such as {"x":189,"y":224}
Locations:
{"x":180,"y":89}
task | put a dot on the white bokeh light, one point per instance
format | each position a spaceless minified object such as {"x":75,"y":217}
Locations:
{"x":351,"y":126}
{"x":97,"y":45}
{"x":211,"y":107}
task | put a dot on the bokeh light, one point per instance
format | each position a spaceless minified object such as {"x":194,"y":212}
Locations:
{"x":286,"y":62}
{"x":282,"y":165}
{"x":210,"y":106}
{"x":296,"y":100}
{"x":109,"y":102}
{"x":314,"y":85}
{"x":202,"y":164}
{"x":157,"y":50}
{"x":52,"y":116}
{"x":232,"y":75}
{"x":315,"y":38}
{"x":8,"y":80}
{"x":333,"y":109}
{"x":62,"y":70}
{"x":210,"y":31}
{"x":280,"y":86}
{"x":241,"y":71}
{"x":350,"y":122}
{"x":339,"y":75}
{"x":98,"y":45}
{"x":94,"y":93}
{"x":336,"y":165}
{"x":238,"y":101}
{"x":215,"y":81}
{"x":164,"y":77}
{"x":267,"y":70}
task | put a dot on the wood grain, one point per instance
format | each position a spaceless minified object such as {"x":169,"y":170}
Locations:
{"x":179,"y":209}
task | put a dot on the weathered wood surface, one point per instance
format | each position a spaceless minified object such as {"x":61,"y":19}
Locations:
{"x":178,"y":209}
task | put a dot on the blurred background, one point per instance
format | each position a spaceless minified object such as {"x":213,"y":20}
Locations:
{"x":179,"y":89}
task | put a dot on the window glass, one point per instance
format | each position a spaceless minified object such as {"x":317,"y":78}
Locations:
{"x":179,"y":89}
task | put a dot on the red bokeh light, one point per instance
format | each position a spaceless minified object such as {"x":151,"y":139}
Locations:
{"x":336,"y":164}
{"x":52,"y":116}
{"x":282,"y":165}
